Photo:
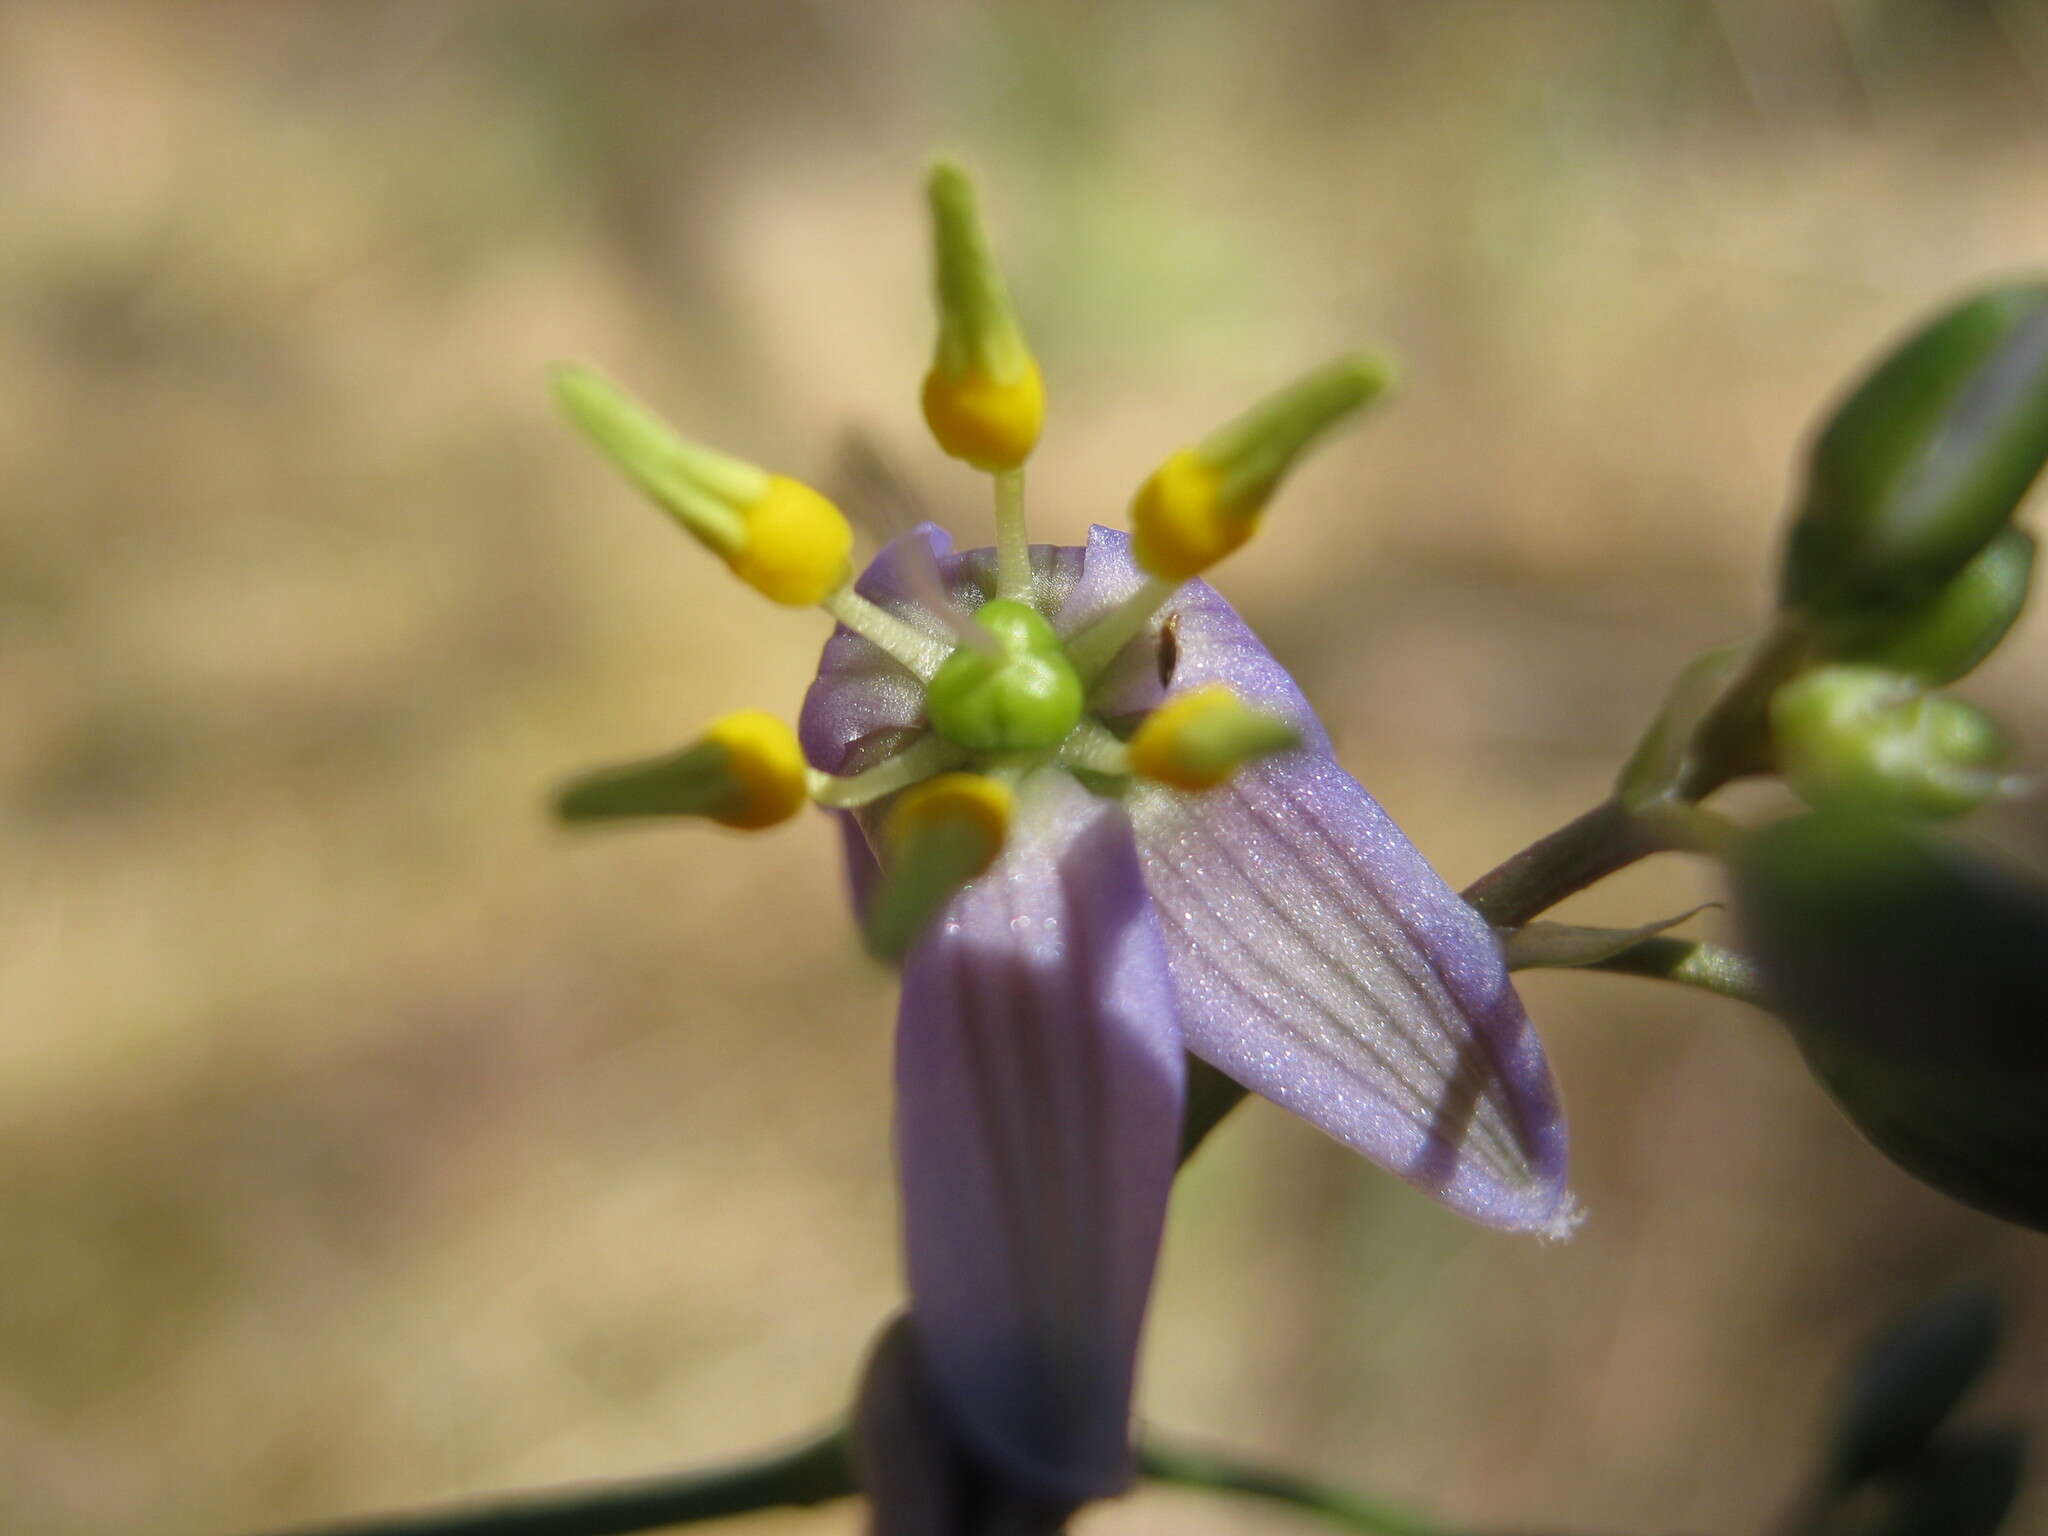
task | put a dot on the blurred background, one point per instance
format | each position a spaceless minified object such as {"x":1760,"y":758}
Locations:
{"x":364,"y":1140}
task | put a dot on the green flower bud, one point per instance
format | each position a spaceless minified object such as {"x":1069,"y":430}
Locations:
{"x":1862,"y":738}
{"x":1908,"y":1380}
{"x":1925,"y":461}
{"x":1956,"y":629}
{"x":1910,"y":975}
{"x":1019,"y":694}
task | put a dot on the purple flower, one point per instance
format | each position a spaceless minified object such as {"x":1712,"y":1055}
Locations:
{"x":1280,"y":927}
{"x":1102,"y":829}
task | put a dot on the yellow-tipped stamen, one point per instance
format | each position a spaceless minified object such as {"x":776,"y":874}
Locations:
{"x":938,"y":836}
{"x":746,"y":771}
{"x":1200,"y":738}
{"x":908,"y":646}
{"x":983,"y":399}
{"x":918,"y":761}
{"x":1205,"y":501}
{"x":776,"y":534}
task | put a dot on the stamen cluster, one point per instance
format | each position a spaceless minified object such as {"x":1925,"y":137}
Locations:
{"x":1010,"y":695}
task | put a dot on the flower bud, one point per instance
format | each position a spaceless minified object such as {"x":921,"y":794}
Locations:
{"x":1205,"y":501}
{"x":1925,"y":461}
{"x":1862,"y":738}
{"x":1908,"y":1380}
{"x":1958,"y":627}
{"x":746,"y":771}
{"x":984,"y":399}
{"x":776,"y":534}
{"x":1910,"y":975}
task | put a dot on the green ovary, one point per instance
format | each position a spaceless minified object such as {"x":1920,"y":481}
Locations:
{"x":1023,"y":695}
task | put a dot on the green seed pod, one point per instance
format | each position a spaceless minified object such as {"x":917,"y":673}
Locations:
{"x":1908,"y":1380}
{"x":1956,"y":629}
{"x":1866,"y":739}
{"x":1910,"y":975}
{"x":1925,"y":461}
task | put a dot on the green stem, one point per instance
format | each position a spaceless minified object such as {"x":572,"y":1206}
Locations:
{"x":810,"y":1473}
{"x":1734,"y":737}
{"x":1335,"y":1506}
{"x":1586,"y":849}
{"x":1689,"y":963}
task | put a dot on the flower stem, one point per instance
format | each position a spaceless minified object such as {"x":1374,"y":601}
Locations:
{"x":810,"y":1473}
{"x":1586,"y":849}
{"x":1689,"y":963}
{"x":1339,"y":1507}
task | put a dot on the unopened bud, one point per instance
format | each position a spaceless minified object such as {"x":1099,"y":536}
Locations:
{"x":1205,"y":501}
{"x":1863,"y":738}
{"x":1956,"y":628}
{"x":746,"y":771}
{"x":1925,"y":461}
{"x":1198,"y":739}
{"x":1909,"y":973}
{"x":776,"y":534}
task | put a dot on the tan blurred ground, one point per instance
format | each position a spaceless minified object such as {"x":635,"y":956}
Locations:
{"x":365,"y":1141}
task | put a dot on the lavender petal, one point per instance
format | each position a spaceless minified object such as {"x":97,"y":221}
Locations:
{"x":1039,"y":1087}
{"x":1322,"y":963}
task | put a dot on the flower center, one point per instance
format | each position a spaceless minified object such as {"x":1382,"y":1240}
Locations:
{"x":1021,"y":694}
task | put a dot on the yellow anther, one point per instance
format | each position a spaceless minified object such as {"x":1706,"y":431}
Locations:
{"x":1200,"y":738}
{"x":797,"y":546}
{"x":991,"y":425}
{"x":938,"y":836}
{"x":1205,"y":501}
{"x":746,"y":771}
{"x":1180,"y":524}
{"x":765,"y":766}
{"x":983,"y":399}
{"x":969,"y":812}
{"x":778,"y":536}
